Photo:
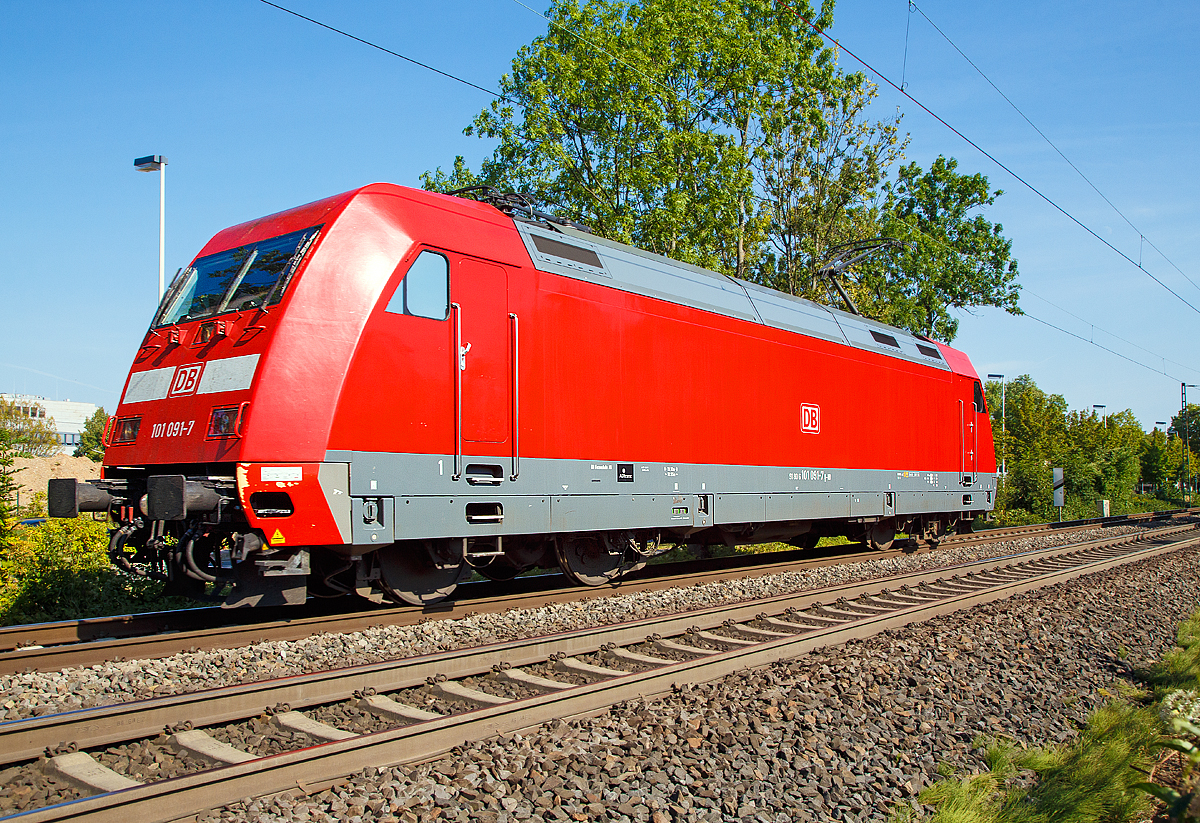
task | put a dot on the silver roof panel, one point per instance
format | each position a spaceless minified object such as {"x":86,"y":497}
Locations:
{"x":641,"y":272}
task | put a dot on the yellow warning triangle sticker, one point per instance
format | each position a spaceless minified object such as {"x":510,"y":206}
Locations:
{"x":277,"y":538}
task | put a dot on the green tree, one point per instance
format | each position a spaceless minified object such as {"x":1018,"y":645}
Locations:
{"x":724,"y":134}
{"x":1187,"y":424}
{"x":955,"y":257}
{"x":1036,"y":424}
{"x":91,"y":441}
{"x":1101,"y":455}
{"x":822,"y":164}
{"x":1187,"y":429}
{"x":1160,"y":457}
{"x":643,"y":120}
{"x":33,"y":433}
{"x":8,"y":485}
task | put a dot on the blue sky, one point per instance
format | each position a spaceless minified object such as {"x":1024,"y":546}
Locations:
{"x":259,"y":111}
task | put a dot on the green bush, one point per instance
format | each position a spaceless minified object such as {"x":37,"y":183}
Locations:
{"x":59,"y":570}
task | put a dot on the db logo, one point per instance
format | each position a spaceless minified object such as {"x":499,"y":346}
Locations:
{"x":186,"y":380}
{"x":810,"y":418}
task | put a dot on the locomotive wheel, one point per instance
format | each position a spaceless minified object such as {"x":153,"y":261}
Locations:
{"x":881,"y":535}
{"x":586,"y":560}
{"x":411,"y":574}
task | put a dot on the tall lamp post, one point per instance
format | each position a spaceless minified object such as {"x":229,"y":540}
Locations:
{"x":1183,"y":422}
{"x":158,"y":163}
{"x":1100,"y":407}
{"x":1003,"y":424}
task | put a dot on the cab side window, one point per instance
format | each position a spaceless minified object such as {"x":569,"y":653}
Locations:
{"x":425,"y":289}
{"x":980,"y":400}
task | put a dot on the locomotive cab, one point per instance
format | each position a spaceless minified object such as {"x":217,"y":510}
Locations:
{"x":170,"y":479}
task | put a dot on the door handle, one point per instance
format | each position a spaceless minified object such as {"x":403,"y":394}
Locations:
{"x":462,"y":357}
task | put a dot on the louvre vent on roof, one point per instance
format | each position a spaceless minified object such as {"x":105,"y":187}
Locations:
{"x":566,"y":251}
{"x":928,"y":351}
{"x":885,"y":339}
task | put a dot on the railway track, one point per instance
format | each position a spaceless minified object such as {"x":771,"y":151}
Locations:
{"x":432,"y":703}
{"x":58,"y":645}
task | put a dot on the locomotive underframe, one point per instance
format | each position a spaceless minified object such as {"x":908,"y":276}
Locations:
{"x":584,"y":517}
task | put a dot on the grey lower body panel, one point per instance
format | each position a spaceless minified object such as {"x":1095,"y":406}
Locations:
{"x":563,"y":496}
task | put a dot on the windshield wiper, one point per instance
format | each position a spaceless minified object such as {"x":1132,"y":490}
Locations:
{"x":237,"y":281}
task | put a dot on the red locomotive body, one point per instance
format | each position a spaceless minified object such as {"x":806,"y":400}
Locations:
{"x":380,"y":391}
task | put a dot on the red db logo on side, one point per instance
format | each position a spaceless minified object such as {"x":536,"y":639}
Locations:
{"x":186,"y":380}
{"x":810,"y":418}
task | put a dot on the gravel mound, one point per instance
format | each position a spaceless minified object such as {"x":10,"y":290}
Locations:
{"x":845,"y":734}
{"x":39,"y":693}
{"x":34,"y":472}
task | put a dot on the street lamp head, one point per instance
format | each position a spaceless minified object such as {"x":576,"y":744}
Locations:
{"x":154,"y":162}
{"x":1099,"y":406}
{"x":995,"y":377}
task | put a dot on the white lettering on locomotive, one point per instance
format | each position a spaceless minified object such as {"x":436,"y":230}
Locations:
{"x":281,"y":474}
{"x":810,"y":418}
{"x":177,"y":428}
{"x":814,"y":475}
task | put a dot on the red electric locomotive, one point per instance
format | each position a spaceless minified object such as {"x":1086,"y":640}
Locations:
{"x":378,"y":392}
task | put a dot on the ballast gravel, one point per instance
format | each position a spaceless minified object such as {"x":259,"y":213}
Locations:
{"x":846,"y":734}
{"x":37,"y":693}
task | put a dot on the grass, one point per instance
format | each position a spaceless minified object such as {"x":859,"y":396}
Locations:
{"x":1091,"y":779}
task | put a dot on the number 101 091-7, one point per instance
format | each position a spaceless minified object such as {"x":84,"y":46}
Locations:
{"x":179,"y":428}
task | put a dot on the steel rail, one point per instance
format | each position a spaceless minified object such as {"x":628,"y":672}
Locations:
{"x":44,"y":657}
{"x":170,"y":799}
{"x":57,"y":645}
{"x":106,"y":725}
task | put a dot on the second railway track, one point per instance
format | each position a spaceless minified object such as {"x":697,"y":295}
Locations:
{"x":435,"y":702}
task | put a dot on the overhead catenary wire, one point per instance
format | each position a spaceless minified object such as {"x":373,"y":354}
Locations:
{"x":1099,"y":346}
{"x":837,"y":44}
{"x":386,"y":50}
{"x":1142,"y":237}
{"x":1109,"y":333}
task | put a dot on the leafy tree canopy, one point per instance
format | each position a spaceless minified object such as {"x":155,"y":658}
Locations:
{"x":1187,"y":424}
{"x":955,"y":258}
{"x":32,"y":433}
{"x":91,"y":441}
{"x":8,"y":484}
{"x":1103,"y":457}
{"x":724,"y":134}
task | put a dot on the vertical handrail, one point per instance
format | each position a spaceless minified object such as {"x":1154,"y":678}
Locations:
{"x":975,"y":447}
{"x":516,"y":398}
{"x":962,"y":443}
{"x":457,"y":360}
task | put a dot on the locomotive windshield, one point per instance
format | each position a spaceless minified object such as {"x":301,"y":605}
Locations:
{"x":247,"y":277}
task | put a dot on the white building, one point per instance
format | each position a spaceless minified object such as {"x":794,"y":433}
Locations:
{"x":68,"y":416}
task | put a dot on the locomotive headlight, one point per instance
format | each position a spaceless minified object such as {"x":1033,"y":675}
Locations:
{"x":126,"y":430}
{"x":223,"y":422}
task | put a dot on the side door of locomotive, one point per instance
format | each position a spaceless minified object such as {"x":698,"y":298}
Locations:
{"x":484,"y":339}
{"x":970,"y":412}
